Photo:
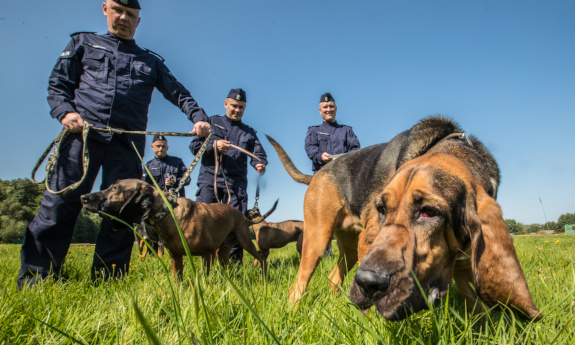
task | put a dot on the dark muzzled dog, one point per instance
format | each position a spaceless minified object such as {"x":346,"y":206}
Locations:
{"x":417,"y":204}
{"x":275,"y":235}
{"x":210,"y":230}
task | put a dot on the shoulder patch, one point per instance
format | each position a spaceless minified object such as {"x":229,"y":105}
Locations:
{"x":82,"y":32}
{"x":155,"y":54}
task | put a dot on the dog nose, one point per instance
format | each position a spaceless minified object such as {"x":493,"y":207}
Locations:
{"x":371,"y":282}
{"x":85,"y":198}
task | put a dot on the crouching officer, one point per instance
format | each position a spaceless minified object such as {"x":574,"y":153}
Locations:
{"x":233,"y":165}
{"x":105,"y":80}
{"x":166,"y":170}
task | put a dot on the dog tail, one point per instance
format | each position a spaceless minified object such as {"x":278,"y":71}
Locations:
{"x":265,"y":215}
{"x":291,"y":169}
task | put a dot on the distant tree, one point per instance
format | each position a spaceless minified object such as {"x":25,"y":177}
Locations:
{"x":513,"y":226}
{"x":550,"y":226}
{"x":533,"y":228}
{"x":19,"y":202}
{"x":86,"y":228}
{"x":565,"y":219}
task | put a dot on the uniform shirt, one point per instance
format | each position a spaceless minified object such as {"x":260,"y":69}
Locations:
{"x":234,"y":163}
{"x":332,"y":138}
{"x":109,"y":81}
{"x":160,"y":168}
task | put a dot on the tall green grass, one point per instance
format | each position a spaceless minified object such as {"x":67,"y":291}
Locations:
{"x":235,"y":305}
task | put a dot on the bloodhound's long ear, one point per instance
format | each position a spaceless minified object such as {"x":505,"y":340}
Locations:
{"x":497,"y":274}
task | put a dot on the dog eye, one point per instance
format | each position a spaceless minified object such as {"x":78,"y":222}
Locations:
{"x":429,"y":212}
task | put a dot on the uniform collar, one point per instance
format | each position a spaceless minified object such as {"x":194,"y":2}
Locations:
{"x":231,"y":122}
{"x":331,"y":124}
{"x":131,"y":42}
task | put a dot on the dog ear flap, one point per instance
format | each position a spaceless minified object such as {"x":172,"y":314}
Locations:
{"x":497,"y":274}
{"x":127,"y":202}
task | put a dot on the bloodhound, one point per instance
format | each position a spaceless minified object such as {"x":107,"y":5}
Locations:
{"x":419,"y":209}
{"x":210,"y":230}
{"x":275,"y":235}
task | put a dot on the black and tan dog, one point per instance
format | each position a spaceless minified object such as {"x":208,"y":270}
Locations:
{"x":420,"y":208}
{"x":275,"y":235}
{"x":210,"y":230}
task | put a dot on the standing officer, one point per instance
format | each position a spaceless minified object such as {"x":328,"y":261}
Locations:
{"x":329,"y":138}
{"x":233,"y":167}
{"x":106,"y":80}
{"x":166,"y":170}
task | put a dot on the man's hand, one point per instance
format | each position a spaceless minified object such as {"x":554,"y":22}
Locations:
{"x":73,"y":122}
{"x":202,"y":128}
{"x":260,"y":168}
{"x":326,"y":157}
{"x":222,"y":145}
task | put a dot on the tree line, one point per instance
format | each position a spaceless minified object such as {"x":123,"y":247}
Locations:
{"x":19,"y":202}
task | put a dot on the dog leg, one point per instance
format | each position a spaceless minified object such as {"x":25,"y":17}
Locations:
{"x":177,"y":266}
{"x":347,"y":243}
{"x":264,"y":252}
{"x":208,"y":261}
{"x":160,"y":249}
{"x":243,"y":237}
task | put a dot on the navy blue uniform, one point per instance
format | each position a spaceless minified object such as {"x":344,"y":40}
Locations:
{"x":160,"y":168}
{"x":332,"y":138}
{"x":109,"y":81}
{"x":234,"y":165}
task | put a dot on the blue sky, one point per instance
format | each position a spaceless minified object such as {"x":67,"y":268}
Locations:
{"x":504,"y":70}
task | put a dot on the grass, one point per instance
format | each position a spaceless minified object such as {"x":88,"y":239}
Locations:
{"x":236,"y":306}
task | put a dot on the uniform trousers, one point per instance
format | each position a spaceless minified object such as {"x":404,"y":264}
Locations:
{"x":47,"y":238}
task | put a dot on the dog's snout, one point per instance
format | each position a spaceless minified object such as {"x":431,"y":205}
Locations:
{"x":86,"y":197}
{"x":371,"y":282}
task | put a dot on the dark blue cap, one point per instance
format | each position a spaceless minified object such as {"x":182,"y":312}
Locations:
{"x":129,"y":3}
{"x":159,"y":137}
{"x":238,"y":95}
{"x":326,"y":97}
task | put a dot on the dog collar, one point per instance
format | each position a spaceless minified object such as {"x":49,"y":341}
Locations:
{"x":163,"y":211}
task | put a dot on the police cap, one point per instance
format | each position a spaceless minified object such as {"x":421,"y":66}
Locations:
{"x":326,"y":97}
{"x":159,"y":137}
{"x":129,"y":3}
{"x":238,"y":95}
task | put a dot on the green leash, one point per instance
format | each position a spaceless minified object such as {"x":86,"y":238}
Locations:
{"x":55,"y":144}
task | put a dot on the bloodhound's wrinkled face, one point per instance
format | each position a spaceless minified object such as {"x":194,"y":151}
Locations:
{"x":129,"y":200}
{"x":421,"y":215}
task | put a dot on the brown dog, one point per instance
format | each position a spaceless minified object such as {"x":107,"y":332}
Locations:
{"x":422,"y":220}
{"x":148,"y":233}
{"x":275,"y":235}
{"x":209,"y":229}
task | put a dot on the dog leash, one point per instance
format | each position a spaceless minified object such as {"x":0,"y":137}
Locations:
{"x":55,"y":144}
{"x":217,"y":163}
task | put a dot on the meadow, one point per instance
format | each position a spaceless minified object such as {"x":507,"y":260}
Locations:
{"x":235,"y":305}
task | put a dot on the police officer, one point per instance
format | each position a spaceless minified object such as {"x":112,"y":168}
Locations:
{"x":166,"y":170}
{"x":233,"y":164}
{"x":329,"y":138}
{"x":106,"y":80}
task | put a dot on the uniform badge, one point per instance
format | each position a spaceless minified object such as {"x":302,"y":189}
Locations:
{"x":238,"y":97}
{"x":326,"y":98}
{"x":125,"y":2}
{"x":66,"y":53}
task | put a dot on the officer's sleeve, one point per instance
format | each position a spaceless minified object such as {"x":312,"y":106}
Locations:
{"x":352,"y":143}
{"x":65,"y":79}
{"x":259,"y":152}
{"x":312,"y":147}
{"x":181,"y":172}
{"x":197,"y":143}
{"x":176,"y":93}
